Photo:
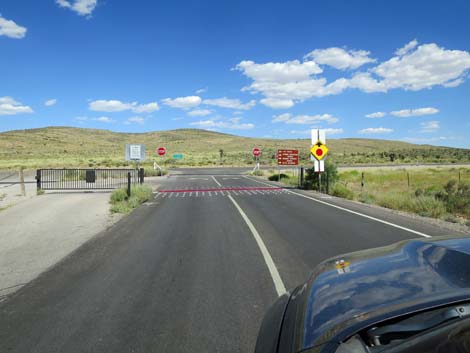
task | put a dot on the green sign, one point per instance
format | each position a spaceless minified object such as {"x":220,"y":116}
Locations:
{"x":178,"y":156}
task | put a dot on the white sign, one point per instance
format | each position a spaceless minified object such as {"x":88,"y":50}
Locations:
{"x":134,"y":151}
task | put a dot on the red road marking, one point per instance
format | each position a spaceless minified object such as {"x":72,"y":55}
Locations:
{"x":221,"y":189}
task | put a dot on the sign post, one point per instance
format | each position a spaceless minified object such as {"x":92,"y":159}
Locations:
{"x":318,"y":151}
{"x":256,"y":153}
{"x":161,"y":151}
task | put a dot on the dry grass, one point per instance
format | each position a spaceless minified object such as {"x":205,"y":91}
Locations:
{"x":422,"y":195}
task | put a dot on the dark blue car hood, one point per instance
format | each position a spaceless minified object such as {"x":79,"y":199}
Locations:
{"x":380,"y":284}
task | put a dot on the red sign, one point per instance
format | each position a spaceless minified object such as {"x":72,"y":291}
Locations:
{"x":256,"y":152}
{"x":161,"y":151}
{"x":287,"y":157}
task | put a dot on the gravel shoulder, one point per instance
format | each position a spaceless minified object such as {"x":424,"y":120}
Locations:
{"x":38,"y":232}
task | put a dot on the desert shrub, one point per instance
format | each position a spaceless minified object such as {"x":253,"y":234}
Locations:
{"x":275,"y":177}
{"x":311,"y":178}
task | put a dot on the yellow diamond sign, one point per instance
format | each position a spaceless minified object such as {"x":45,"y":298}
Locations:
{"x":319,"y":150}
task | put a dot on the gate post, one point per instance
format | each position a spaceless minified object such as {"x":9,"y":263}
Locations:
{"x":301,"y":177}
{"x":38,"y":179}
{"x":128,"y":184}
{"x":141,"y":175}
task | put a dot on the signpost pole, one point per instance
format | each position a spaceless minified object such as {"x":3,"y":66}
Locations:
{"x":319,"y":182}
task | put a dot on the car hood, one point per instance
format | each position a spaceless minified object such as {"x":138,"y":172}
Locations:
{"x":378,"y":284}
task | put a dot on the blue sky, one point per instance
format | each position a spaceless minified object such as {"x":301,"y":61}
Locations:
{"x":376,"y":69}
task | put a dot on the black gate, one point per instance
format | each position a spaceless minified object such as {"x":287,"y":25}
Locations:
{"x":87,"y":179}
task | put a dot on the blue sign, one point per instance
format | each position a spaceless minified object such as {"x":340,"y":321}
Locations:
{"x":178,"y":156}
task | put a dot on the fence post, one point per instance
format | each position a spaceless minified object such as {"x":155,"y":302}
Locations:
{"x":38,"y":179}
{"x":23,"y":190}
{"x":128,"y":184}
{"x":362,"y":181}
{"x":408,"y":178}
{"x":301,"y":178}
{"x":141,"y":175}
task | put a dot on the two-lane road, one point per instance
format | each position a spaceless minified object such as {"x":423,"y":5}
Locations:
{"x":191,"y":271}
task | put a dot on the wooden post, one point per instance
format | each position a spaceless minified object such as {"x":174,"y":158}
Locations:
{"x":23,"y":190}
{"x":362,"y":181}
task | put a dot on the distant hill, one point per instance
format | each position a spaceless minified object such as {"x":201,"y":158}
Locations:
{"x":69,"y":146}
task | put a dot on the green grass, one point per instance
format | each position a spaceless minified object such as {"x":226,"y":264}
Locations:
{"x":120,"y":203}
{"x":76,"y":147}
{"x":432,"y":192}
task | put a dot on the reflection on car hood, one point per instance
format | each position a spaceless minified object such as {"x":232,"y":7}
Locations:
{"x":378,"y":284}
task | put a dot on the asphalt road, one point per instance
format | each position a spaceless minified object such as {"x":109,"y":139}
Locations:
{"x":191,"y":271}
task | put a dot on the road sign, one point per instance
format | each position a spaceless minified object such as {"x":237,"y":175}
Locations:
{"x":161,"y":151}
{"x":287,"y":157}
{"x":256,"y":152}
{"x":319,"y":150}
{"x":178,"y":156}
{"x":318,"y":135}
{"x":135,"y":152}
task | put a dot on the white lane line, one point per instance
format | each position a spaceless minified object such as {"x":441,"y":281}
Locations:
{"x":353,"y":212}
{"x":278,"y":284}
{"x":213,"y":177}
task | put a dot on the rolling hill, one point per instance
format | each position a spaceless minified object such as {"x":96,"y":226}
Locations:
{"x":68,"y":146}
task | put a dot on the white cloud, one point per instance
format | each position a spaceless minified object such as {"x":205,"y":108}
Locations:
{"x":304,"y":119}
{"x":201,"y":90}
{"x":307,"y":132}
{"x":405,"y":113}
{"x":375,"y":130}
{"x":415,"y":67}
{"x":8,"y":106}
{"x":146,"y":108}
{"x":340,"y":58}
{"x":231,"y":124}
{"x":135,"y":119}
{"x":199,"y":112}
{"x":430,"y":139}
{"x":230,"y":103}
{"x":406,"y":49}
{"x":81,"y":7}
{"x":289,"y":71}
{"x":183,"y":102}
{"x":277,"y":103}
{"x":105,"y":119}
{"x":50,"y":102}
{"x":81,"y":118}
{"x":109,"y":106}
{"x":282,"y":118}
{"x":422,"y":67}
{"x":10,"y":29}
{"x":331,"y":131}
{"x":376,"y":115}
{"x":430,"y":126}
{"x":112,"y":106}
{"x":178,"y":118}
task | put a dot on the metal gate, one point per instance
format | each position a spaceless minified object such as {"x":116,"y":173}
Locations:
{"x":87,"y":179}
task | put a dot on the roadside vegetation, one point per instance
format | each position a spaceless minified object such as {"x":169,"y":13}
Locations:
{"x":121,"y":203}
{"x":442,"y":193}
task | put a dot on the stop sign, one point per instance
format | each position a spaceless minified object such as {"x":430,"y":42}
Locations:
{"x":161,"y":151}
{"x":256,"y":152}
